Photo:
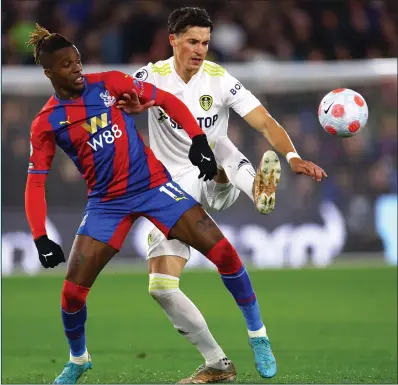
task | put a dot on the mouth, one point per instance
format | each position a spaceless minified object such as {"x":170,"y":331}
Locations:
{"x":79,"y":80}
{"x":196,"y":60}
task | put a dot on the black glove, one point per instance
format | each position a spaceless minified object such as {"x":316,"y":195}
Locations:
{"x":201,"y":155}
{"x":50,"y":253}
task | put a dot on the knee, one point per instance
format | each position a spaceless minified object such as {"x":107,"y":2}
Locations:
{"x":221,"y":196}
{"x":225,"y":257}
{"x":224,"y":148}
{"x":223,"y":141}
{"x":73,"y":296}
{"x":162,"y":286}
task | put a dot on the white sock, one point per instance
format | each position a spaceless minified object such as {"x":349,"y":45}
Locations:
{"x":258,"y":333}
{"x":244,"y":180}
{"x":239,"y":170}
{"x":83,"y":359}
{"x":185,"y":316}
{"x":216,"y":187}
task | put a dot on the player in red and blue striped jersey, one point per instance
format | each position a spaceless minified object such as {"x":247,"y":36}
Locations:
{"x":101,"y":141}
{"x":124,"y":178}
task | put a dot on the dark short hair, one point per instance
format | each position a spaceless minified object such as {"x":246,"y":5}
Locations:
{"x":183,"y":18}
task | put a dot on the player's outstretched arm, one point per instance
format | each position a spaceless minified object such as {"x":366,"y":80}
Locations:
{"x":200,"y":153}
{"x":130,"y":104}
{"x":42,"y":150}
{"x":260,"y":119}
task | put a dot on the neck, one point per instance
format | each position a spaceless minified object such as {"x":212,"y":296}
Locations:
{"x":184,"y":73}
{"x":64,"y":94}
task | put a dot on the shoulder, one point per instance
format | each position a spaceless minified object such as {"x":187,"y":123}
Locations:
{"x":213,"y":70}
{"x":40,"y":123}
{"x":218,"y":76}
{"x":161,"y":67}
{"x":142,"y":73}
{"x":105,"y":77}
{"x":95,"y":77}
{"x":41,"y":120}
{"x":215,"y":77}
{"x":153,"y":72}
{"x":115,"y":81}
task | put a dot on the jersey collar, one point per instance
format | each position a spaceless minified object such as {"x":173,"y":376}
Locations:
{"x":66,"y":101}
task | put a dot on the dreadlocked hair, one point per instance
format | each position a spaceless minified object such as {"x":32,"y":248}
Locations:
{"x":44,"y":42}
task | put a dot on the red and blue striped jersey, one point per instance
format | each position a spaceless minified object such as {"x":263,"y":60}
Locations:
{"x":101,"y":140}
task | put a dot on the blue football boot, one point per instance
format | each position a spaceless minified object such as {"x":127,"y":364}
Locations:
{"x":72,"y":372}
{"x":263,"y":356}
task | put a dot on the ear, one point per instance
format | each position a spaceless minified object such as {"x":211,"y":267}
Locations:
{"x":172,"y":39}
{"x":48,"y":73}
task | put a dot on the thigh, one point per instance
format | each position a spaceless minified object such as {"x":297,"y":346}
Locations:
{"x":197,"y":229}
{"x":166,"y":256}
{"x":178,"y":216}
{"x":164,"y":205}
{"x":107,"y":222}
{"x":218,"y":196}
{"x":99,"y":237}
{"x":86,"y":260}
{"x":159,"y":245}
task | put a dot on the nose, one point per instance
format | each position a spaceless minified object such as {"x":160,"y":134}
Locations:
{"x":200,"y":49}
{"x":77,"y":68}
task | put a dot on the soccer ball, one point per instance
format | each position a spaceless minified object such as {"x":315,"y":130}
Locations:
{"x":343,"y":112}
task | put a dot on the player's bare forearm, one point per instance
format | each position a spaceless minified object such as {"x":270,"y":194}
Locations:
{"x":262,"y":121}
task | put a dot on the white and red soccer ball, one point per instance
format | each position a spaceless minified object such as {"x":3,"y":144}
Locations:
{"x":343,"y":112}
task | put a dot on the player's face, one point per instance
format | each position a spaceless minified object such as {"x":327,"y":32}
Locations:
{"x":66,"y":71}
{"x":190,"y":48}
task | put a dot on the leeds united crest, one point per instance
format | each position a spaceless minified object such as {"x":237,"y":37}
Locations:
{"x":206,"y":101}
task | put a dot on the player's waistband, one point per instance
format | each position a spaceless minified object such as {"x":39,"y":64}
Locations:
{"x":99,"y":196}
{"x":184,"y":171}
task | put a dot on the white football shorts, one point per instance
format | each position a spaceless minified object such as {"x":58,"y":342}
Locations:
{"x":212,"y":196}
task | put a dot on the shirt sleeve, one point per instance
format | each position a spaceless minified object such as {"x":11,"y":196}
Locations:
{"x":144,"y":74}
{"x":42,"y":149}
{"x":120,"y":83}
{"x":35,"y":204}
{"x":174,"y":107}
{"x":237,"y":97}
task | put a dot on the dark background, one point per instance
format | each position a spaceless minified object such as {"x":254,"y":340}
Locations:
{"x":361,"y":170}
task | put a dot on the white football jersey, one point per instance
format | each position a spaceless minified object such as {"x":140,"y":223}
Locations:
{"x":208,"y":95}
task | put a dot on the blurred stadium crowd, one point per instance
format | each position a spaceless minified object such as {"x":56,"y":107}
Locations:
{"x":114,"y":32}
{"x":128,"y":31}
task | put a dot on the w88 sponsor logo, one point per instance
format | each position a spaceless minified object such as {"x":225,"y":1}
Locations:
{"x":101,"y":124}
{"x":107,"y":136}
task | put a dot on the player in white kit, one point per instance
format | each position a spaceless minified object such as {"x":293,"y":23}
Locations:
{"x":209,"y":91}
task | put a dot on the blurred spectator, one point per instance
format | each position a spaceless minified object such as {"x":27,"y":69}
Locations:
{"x":360,"y":169}
{"x":18,"y":33}
{"x":229,"y":38}
{"x":364,"y":165}
{"x":135,"y":30}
